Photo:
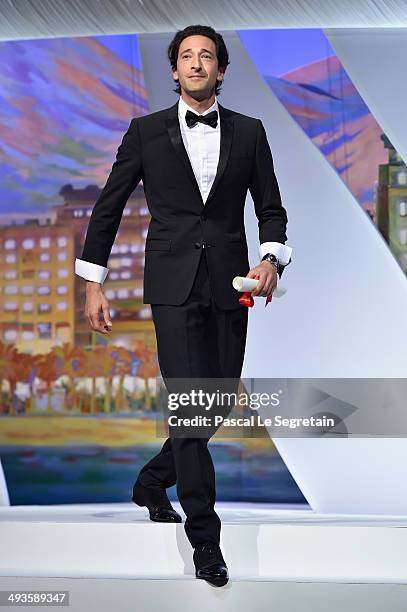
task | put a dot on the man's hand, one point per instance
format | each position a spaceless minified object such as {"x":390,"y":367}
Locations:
{"x":267,"y":282}
{"x":96,"y":302}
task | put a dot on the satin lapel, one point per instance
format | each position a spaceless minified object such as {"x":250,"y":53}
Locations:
{"x":226,"y":134}
{"x":174,"y":132}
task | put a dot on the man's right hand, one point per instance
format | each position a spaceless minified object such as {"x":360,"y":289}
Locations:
{"x":96,"y":302}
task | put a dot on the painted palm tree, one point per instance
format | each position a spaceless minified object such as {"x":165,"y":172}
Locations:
{"x":108,"y":371}
{"x":8,"y":358}
{"x":124,"y":367}
{"x":80,"y":366}
{"x":23,"y":372}
{"x":69,"y":357}
{"x":94,"y":369}
{"x":148,"y":368}
{"x":49,"y":370}
{"x":16,"y":373}
{"x":33,"y":361}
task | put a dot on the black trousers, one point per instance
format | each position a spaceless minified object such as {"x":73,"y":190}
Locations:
{"x":195,"y":339}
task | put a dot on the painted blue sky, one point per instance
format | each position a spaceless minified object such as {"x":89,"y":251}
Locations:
{"x":276,"y":52}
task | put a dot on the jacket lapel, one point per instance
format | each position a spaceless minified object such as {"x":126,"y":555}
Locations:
{"x":226,"y":134}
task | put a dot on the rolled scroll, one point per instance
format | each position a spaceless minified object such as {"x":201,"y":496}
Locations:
{"x":242,"y":283}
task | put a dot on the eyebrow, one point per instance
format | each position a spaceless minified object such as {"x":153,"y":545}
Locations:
{"x":185,"y":50}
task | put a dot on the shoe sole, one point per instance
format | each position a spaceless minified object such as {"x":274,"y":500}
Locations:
{"x":218,"y":582}
{"x":164,"y":520}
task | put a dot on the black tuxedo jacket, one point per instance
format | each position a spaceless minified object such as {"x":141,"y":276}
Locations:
{"x":181,"y":223}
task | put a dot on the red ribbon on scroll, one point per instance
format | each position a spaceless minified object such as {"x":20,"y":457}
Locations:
{"x":246,"y":299}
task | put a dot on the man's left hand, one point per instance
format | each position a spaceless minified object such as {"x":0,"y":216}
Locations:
{"x":267,"y":282}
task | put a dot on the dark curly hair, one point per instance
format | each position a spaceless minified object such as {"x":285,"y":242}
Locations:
{"x":221,"y":50}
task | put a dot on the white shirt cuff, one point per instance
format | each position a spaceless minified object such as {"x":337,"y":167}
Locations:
{"x":281,"y":251}
{"x":90,"y":271}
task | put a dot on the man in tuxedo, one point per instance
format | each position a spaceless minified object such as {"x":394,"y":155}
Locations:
{"x":197,"y":159}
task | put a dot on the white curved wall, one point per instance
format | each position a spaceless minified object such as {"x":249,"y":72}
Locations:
{"x":344,"y":311}
{"x":373,"y":58}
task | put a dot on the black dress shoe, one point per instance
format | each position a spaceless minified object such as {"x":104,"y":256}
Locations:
{"x":157,"y":502}
{"x":210,"y":564}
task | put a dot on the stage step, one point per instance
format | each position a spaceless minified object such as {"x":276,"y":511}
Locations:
{"x":154,"y":595}
{"x":273,"y":553}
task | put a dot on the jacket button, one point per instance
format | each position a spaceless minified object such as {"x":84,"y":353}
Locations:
{"x":197,"y":245}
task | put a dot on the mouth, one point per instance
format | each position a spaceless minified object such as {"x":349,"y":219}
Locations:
{"x":196,"y":77}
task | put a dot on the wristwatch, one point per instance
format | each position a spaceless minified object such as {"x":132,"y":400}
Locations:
{"x":272,"y":259}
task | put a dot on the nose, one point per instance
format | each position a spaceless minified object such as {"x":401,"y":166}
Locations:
{"x":196,"y":64}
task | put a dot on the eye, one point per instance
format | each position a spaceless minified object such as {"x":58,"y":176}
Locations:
{"x":187,"y":56}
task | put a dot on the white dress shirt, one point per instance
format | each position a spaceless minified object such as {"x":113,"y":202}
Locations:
{"x":202,"y":143}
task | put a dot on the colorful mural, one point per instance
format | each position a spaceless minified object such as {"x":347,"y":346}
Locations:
{"x":65,"y":104}
{"x":300,"y":67}
{"x":77,"y":411}
{"x":311,"y":83}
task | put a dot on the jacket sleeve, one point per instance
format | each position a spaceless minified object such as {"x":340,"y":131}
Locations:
{"x":107,"y":212}
{"x":270,"y":212}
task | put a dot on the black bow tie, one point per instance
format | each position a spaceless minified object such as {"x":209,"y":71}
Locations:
{"x":210,"y":119}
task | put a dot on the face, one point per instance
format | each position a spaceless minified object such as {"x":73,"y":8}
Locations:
{"x":197,"y":67}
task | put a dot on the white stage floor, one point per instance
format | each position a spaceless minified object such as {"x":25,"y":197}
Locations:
{"x":272,"y":551}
